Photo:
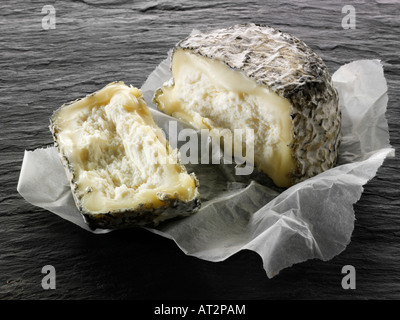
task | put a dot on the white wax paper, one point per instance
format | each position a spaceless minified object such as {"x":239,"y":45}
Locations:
{"x":313,"y":219}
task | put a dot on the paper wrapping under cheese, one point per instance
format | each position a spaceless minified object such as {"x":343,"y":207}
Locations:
{"x":311,"y":220}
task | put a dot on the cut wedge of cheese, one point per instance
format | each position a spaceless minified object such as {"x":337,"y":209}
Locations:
{"x":256,"y":77}
{"x":122,"y":170}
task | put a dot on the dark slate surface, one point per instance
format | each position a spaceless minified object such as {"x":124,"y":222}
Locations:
{"x":96,"y":42}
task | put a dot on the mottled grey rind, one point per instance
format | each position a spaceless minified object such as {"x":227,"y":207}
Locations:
{"x":289,"y":67}
{"x":145,"y":215}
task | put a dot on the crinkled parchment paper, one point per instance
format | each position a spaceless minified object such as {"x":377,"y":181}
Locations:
{"x":313,"y":219}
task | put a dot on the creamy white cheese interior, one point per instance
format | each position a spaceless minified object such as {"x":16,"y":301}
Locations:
{"x":120,"y":157}
{"x":210,"y":95}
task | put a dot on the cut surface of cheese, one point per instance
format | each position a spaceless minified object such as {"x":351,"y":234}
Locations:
{"x":121,"y":168}
{"x":256,"y":77}
{"x":209,"y":95}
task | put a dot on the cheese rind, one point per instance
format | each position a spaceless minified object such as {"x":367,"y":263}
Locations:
{"x":122,"y":170}
{"x":251,"y":76}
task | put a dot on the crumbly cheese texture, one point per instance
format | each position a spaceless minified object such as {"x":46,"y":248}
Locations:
{"x":256,"y":77}
{"x":118,"y":159}
{"x":208,"y":94}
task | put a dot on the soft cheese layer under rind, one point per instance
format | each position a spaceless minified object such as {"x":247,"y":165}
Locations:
{"x":208,"y":94}
{"x":118,"y":158}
